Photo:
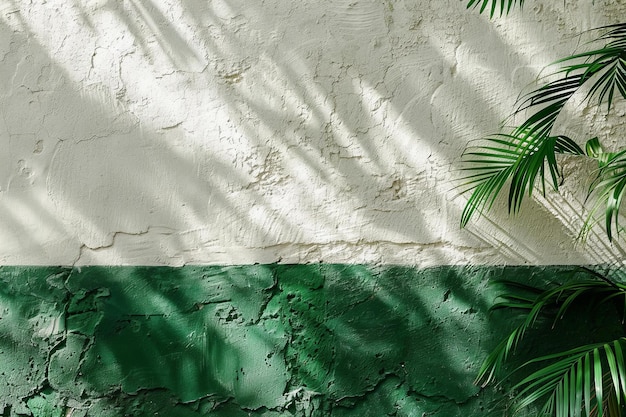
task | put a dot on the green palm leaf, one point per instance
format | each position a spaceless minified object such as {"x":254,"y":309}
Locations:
{"x":561,"y":298}
{"x":585,"y":379}
{"x":608,"y":190}
{"x":589,"y":378}
{"x":607,"y":64}
{"x":518,"y":158}
{"x":492,"y":5}
{"x":522,"y":156}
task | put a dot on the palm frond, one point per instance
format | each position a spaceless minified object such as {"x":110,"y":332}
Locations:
{"x":588,"y":380}
{"x":604,"y":67}
{"x":608,"y":190}
{"x":505,"y":6}
{"x":560,"y":299}
{"x":522,"y":159}
{"x":533,"y":142}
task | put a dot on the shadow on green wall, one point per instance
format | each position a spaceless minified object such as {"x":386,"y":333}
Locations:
{"x":267,"y":340}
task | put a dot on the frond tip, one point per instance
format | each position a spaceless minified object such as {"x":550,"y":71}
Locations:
{"x":492,"y":5}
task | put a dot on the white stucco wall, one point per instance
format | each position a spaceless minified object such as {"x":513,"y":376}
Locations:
{"x":232,"y":131}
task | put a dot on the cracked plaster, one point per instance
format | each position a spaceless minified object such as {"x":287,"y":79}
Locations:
{"x":171,"y":133}
{"x":226,"y":132}
{"x":256,"y":340}
{"x":259,"y":340}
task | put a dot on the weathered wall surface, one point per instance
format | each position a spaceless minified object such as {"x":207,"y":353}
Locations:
{"x":228,"y":132}
{"x":231,"y":132}
{"x":258,"y":340}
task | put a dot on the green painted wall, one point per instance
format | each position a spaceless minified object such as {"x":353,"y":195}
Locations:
{"x":260,"y":340}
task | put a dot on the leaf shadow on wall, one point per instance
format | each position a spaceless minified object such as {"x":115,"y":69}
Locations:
{"x":280,"y":339}
{"x":131,"y":176}
{"x":311,"y":153}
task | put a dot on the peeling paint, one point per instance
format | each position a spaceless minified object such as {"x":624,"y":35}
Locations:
{"x":258,"y":340}
{"x":323,"y":135}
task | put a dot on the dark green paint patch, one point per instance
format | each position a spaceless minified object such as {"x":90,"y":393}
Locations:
{"x":46,"y":404}
{"x":257,"y":340}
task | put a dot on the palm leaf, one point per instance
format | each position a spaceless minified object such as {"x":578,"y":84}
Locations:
{"x":560,"y":298}
{"x":492,"y":5}
{"x":518,"y":158}
{"x":608,"y":191}
{"x":607,"y":64}
{"x":590,"y":377}
{"x":534,"y":145}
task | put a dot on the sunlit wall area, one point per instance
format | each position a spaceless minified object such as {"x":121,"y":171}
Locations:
{"x":240,"y":208}
{"x":232,"y":132}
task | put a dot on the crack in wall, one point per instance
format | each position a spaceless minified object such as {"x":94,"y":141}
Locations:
{"x":320,"y":339}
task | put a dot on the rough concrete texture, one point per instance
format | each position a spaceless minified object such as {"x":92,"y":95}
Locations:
{"x":261,"y":340}
{"x":228,"y":131}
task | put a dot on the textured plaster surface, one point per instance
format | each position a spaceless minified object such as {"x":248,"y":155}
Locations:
{"x":229,"y":131}
{"x":260,"y":340}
